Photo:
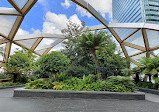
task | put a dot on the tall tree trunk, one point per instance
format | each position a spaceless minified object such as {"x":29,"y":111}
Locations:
{"x":149,"y":77}
{"x":137,"y":78}
{"x":145,"y":78}
{"x":15,"y":78}
{"x":96,"y":62}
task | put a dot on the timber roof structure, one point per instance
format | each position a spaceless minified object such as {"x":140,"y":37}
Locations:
{"x":135,"y":39}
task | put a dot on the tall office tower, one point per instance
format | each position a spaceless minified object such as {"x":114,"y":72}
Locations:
{"x":135,"y":11}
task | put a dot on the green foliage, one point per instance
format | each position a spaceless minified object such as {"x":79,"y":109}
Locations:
{"x":50,"y":64}
{"x":4,"y":76}
{"x":20,"y":63}
{"x":89,"y":83}
{"x":136,"y":70}
{"x":79,"y":52}
{"x":149,"y":65}
{"x":39,"y":84}
{"x":6,"y":84}
{"x":77,"y":71}
{"x":113,"y":63}
{"x":148,"y":85}
{"x":126,"y":72}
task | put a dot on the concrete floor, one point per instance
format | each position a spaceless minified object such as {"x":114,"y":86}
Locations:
{"x":10,"y":104}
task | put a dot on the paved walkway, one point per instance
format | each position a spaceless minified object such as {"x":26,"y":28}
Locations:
{"x":10,"y":104}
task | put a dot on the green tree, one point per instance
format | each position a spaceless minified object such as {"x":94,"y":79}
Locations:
{"x":137,"y":72}
{"x":149,"y":66}
{"x":92,"y":42}
{"x":51,"y":64}
{"x":19,"y":64}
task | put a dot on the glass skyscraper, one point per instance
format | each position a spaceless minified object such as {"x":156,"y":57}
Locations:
{"x":135,"y":11}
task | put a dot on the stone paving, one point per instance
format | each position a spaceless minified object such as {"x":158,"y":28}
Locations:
{"x":10,"y":104}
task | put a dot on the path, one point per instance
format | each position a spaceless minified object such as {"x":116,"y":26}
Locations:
{"x":10,"y":104}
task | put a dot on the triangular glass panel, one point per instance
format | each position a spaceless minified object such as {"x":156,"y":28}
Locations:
{"x":2,"y":50}
{"x":58,"y":47}
{"x":123,"y":33}
{"x":136,"y":39}
{"x":27,"y":43}
{"x":155,"y":52}
{"x":131,"y":51}
{"x":15,"y":48}
{"x":136,"y":58}
{"x":6,"y":24}
{"x":5,"y":3}
{"x":119,"y":50}
{"x":153,"y":38}
{"x":41,"y":52}
{"x":45,"y":42}
{"x":20,"y":3}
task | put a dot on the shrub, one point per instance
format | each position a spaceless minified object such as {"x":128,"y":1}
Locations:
{"x":39,"y":84}
{"x":4,"y":76}
{"x":89,"y":83}
{"x":5,"y":84}
{"x":149,"y":85}
{"x":76,"y":71}
{"x":50,"y":64}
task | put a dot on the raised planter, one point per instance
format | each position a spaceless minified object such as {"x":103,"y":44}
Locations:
{"x":21,"y":92}
{"x":152,"y":91}
{"x":12,"y":86}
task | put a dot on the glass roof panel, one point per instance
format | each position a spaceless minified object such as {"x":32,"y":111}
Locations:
{"x":131,"y":51}
{"x":15,"y":48}
{"x":138,"y":56}
{"x":136,"y":39}
{"x":119,"y":50}
{"x":123,"y":33}
{"x":27,"y":43}
{"x":6,"y":24}
{"x":41,"y":52}
{"x":153,"y":38}
{"x":155,"y":52}
{"x":5,"y":3}
{"x":46,"y":42}
{"x":58,"y":47}
{"x":21,"y":3}
{"x":2,"y":50}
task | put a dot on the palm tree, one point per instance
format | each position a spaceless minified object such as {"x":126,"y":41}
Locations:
{"x":137,"y":72}
{"x":149,"y":67}
{"x":93,"y":42}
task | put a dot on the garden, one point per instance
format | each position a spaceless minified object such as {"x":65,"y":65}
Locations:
{"x":89,"y":61}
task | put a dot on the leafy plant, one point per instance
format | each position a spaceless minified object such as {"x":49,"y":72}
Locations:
{"x":51,"y":64}
{"x":20,"y":63}
{"x":77,"y":71}
{"x":87,"y":83}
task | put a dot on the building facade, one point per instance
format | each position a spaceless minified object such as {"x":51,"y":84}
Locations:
{"x":136,"y":11}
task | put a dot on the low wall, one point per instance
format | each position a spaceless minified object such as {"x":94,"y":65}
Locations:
{"x":21,"y":92}
{"x":12,"y":86}
{"x":152,"y":91}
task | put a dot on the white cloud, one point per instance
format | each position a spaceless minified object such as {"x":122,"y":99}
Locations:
{"x":45,"y":4}
{"x":66,"y":4}
{"x":54,"y":23}
{"x":22,"y":32}
{"x":104,"y":6}
{"x":35,"y":31}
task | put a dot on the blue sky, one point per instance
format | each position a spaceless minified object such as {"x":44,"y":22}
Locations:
{"x":36,"y":18}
